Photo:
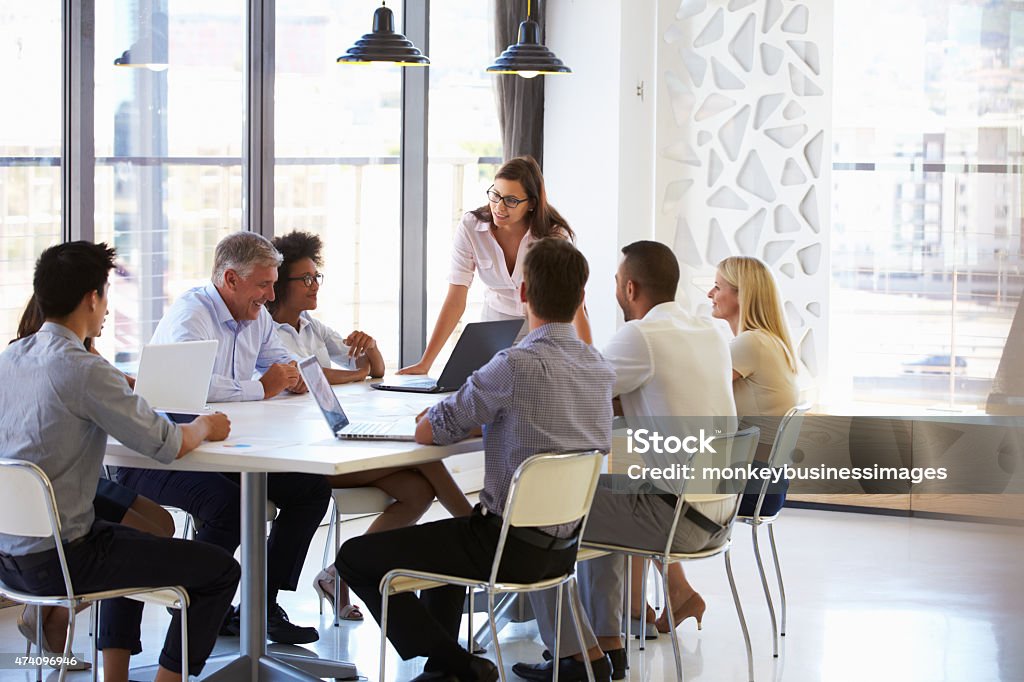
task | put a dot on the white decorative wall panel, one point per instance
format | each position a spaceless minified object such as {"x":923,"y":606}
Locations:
{"x":742,"y":168}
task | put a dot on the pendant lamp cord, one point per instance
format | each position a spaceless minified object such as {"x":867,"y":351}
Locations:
{"x":529,"y":13}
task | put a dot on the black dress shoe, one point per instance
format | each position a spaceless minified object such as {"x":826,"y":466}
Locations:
{"x":283,"y":631}
{"x":479,"y":670}
{"x":569,"y":670}
{"x":616,"y":656}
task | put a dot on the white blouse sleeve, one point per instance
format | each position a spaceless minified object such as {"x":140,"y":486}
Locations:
{"x":335,"y":344}
{"x":463,"y":260}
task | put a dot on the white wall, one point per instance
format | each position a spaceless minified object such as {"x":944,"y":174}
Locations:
{"x":598,"y":135}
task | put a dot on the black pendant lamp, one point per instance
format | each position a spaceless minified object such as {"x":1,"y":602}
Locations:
{"x":384,"y":44}
{"x":150,"y":50}
{"x":528,"y":57}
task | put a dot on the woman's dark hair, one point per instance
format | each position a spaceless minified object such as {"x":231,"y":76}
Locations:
{"x":543,"y":219}
{"x":293,"y":246}
{"x":32,"y":319}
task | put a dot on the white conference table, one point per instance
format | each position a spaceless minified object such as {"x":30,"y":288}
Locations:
{"x":289,"y":434}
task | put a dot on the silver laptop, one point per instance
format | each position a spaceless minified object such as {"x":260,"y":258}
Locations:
{"x":175,"y":377}
{"x":337,"y":420}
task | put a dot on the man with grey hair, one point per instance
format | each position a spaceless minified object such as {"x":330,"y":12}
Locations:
{"x":251,"y":364}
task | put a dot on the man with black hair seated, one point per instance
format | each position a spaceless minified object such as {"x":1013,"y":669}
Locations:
{"x":58,"y":406}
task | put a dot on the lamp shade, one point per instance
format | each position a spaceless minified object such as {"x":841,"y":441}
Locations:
{"x":384,"y":45}
{"x":528,"y":57}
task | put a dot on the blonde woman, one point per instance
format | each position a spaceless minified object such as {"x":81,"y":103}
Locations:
{"x":764,"y":369}
{"x":763,"y":361}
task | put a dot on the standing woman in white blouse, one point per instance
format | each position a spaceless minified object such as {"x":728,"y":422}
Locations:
{"x":491,"y":242}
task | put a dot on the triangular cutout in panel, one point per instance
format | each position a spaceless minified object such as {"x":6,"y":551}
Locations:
{"x":791,"y":174}
{"x":718,"y":248}
{"x":796,"y":22}
{"x":809,"y":209}
{"x":748,"y":235}
{"x":714,"y":104}
{"x":766,"y":106}
{"x":713,"y":31}
{"x":732,"y":132}
{"x":724,"y":78}
{"x":753,"y":178}
{"x":726,"y":198}
{"x":741,"y":47}
{"x":771,"y":58}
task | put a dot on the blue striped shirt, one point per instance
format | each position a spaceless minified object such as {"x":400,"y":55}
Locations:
{"x":550,"y":393}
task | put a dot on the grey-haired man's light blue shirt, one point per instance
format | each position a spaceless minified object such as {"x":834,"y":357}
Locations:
{"x":58,"y":404}
{"x":247,"y":348}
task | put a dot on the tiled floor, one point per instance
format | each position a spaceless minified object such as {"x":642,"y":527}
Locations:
{"x":870,"y":598}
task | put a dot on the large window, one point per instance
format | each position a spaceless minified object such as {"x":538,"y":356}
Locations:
{"x":30,"y":140}
{"x":928,"y":256}
{"x":464,"y":138}
{"x":168,"y":153}
{"x":337,"y":174}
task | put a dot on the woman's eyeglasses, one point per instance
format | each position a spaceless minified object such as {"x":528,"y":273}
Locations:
{"x":308,"y":279}
{"x":509,"y":201}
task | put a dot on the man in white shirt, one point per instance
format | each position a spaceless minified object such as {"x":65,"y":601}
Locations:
{"x":668,"y":364}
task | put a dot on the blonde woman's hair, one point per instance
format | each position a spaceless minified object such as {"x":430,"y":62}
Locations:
{"x":759,"y":301}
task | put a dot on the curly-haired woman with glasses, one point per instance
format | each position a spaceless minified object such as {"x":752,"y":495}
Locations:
{"x":491,"y":242}
{"x":413,"y":488}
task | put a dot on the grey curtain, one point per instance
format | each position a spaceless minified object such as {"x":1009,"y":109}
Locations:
{"x":520,"y":100}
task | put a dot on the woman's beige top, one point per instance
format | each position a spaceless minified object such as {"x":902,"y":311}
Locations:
{"x":767,"y":386}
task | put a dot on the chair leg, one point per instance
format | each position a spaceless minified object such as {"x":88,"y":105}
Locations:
{"x":671,"y":622}
{"x":494,"y":635}
{"x":94,"y":625}
{"x":39,"y":642}
{"x":556,"y":655}
{"x":327,"y":542}
{"x":68,"y":644}
{"x":628,"y":590}
{"x":739,"y":614}
{"x":384,"y":628}
{"x":767,"y":592}
{"x":643,"y":606}
{"x":470,"y":644}
{"x":778,"y":573}
{"x":573,"y":599}
{"x":337,"y":580}
{"x":184,"y":637}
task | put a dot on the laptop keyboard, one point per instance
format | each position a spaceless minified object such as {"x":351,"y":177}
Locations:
{"x":368,"y":428}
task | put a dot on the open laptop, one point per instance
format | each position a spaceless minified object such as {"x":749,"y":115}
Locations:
{"x":337,"y":420}
{"x":175,"y":377}
{"x":477,"y":345}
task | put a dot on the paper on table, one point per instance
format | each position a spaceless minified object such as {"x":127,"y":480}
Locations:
{"x":235,"y":446}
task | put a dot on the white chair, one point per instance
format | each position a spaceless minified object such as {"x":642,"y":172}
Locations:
{"x":362,"y":500}
{"x":28,"y":509}
{"x":740,"y":446}
{"x":546,"y":490}
{"x":782,"y":449}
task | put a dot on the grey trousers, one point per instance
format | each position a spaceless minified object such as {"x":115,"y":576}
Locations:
{"x":624,"y":517}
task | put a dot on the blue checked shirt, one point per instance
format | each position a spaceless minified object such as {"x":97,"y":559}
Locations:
{"x":550,"y":393}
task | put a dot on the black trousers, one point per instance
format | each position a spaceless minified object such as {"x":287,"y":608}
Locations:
{"x":113,"y":556}
{"x":428,"y":625}
{"x":215,"y":499}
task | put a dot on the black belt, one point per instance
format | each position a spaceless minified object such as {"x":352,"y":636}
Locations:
{"x":530,"y":536}
{"x":694,"y":516}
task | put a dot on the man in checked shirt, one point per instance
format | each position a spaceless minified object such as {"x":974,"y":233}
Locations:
{"x":551,"y":392}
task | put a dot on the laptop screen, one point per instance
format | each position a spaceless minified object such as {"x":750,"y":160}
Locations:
{"x":323,"y":394}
